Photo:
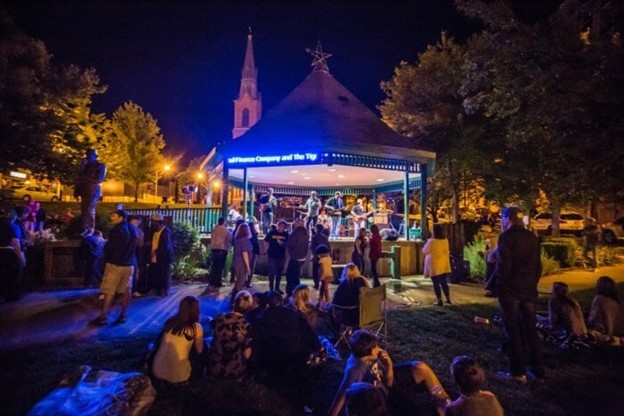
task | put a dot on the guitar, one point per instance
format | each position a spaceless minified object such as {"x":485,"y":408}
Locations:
{"x":358,"y":218}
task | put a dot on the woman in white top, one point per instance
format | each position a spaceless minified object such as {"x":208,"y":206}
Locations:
{"x":438,"y":263}
{"x":181,"y":333}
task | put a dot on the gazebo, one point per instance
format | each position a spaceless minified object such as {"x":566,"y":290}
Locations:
{"x":321,"y":137}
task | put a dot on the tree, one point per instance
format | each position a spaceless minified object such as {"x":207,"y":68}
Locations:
{"x":38,"y":102}
{"x":138,"y":140}
{"x":555,"y":93}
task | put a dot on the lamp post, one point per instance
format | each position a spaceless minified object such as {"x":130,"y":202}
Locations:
{"x":166,"y":168}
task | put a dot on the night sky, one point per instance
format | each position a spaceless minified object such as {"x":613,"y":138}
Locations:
{"x":181,"y":61}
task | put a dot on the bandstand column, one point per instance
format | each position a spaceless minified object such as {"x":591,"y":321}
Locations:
{"x":245,"y":187}
{"x":251,"y":201}
{"x":406,"y":203}
{"x":225,"y":189}
{"x":424,"y":223}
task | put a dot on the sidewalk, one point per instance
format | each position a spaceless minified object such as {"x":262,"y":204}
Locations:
{"x":57,"y":316}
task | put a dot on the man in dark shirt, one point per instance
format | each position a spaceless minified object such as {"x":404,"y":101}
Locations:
{"x":160,"y":249}
{"x":92,"y":250}
{"x":298,"y":250}
{"x":334,"y":206}
{"x":276,"y":254}
{"x":519,"y":268}
{"x":12,"y":259}
{"x":119,"y":253}
{"x":591,"y":236}
{"x":268,"y":203}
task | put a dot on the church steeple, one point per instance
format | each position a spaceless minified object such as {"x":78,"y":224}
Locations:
{"x":248,"y":105}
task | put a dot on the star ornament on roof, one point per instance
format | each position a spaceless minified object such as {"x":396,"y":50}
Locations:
{"x":319,"y":58}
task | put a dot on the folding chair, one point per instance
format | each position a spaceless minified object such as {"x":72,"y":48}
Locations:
{"x":372,"y":314}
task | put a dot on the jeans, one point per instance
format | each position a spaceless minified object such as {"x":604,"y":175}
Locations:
{"x":267,"y":220}
{"x":440,"y":285}
{"x":335,"y":225}
{"x":276,"y":267}
{"x":218,"y":264}
{"x":292,"y":275}
{"x":311,"y":220}
{"x":376,"y":282}
{"x":519,"y":322}
{"x":592,"y":260}
{"x":357,"y":225}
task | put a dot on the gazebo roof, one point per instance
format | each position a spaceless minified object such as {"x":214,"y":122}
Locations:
{"x":321,"y":115}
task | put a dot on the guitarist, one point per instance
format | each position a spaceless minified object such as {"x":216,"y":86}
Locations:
{"x":268,"y":204}
{"x":359,"y":217}
{"x":313,"y":206}
{"x":334,"y":207}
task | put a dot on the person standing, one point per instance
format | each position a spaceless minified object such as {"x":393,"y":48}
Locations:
{"x":91,"y":251}
{"x":591,"y":236}
{"x":12,"y":258}
{"x":89,"y":189}
{"x":518,"y":269}
{"x":276,"y":254}
{"x":220,"y":243}
{"x":359,"y":217}
{"x":119,"y":253}
{"x":359,"y":249}
{"x":319,"y":238}
{"x":335,"y":205}
{"x":297,"y":245}
{"x":255,"y":252}
{"x":375,"y":253}
{"x":139,"y":282}
{"x":438,"y":263}
{"x":268,"y":204}
{"x":241,"y":259}
{"x":161,"y":256}
{"x":312,"y":205}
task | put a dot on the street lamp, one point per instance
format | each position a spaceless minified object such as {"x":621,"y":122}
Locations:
{"x":166,"y":168}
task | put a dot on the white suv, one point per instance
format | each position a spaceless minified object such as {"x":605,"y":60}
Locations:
{"x":569,"y":222}
{"x":612,"y":231}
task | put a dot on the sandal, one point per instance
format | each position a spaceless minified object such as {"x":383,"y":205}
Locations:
{"x":99,"y":321}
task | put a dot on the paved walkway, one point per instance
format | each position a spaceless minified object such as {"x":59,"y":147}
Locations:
{"x":42,"y":318}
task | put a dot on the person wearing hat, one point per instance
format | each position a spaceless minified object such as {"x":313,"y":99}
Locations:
{"x":160,"y":251}
{"x":89,"y":189}
{"x":119,"y":253}
{"x":518,"y":268}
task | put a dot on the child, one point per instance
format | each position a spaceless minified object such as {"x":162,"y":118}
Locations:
{"x":326,"y":273}
{"x":470,"y":378}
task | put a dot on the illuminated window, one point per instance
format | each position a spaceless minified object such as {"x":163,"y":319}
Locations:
{"x":245,"y":122}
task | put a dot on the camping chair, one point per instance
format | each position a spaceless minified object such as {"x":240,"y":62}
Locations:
{"x":372,"y":314}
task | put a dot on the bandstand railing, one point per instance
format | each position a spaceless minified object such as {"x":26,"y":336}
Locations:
{"x":204,"y":219}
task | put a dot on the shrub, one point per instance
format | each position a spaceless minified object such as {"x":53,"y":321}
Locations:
{"x":607,"y":256}
{"x":185,"y":239}
{"x":184,"y":268}
{"x":473,"y":254}
{"x":549,"y":265}
{"x":561,"y":249}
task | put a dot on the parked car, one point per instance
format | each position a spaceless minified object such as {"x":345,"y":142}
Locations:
{"x":569,"y":222}
{"x":612,"y":231}
{"x":38,"y":193}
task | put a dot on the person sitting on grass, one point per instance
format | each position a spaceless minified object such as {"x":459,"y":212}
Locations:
{"x":172,"y":360}
{"x":364,"y":399}
{"x":564,"y":312}
{"x":301,"y":303}
{"x":474,"y":401}
{"x":411,"y":387}
{"x":606,"y":315}
{"x":230,"y":348}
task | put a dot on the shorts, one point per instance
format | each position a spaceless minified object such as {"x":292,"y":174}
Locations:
{"x":117,"y":279}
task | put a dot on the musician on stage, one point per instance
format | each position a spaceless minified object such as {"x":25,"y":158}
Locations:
{"x":313,"y":205}
{"x":268,"y":204}
{"x":334,"y":207}
{"x":359,"y":214}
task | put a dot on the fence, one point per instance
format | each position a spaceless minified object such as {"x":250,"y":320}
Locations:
{"x":204,"y":219}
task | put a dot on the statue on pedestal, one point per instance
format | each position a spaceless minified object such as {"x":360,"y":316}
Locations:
{"x":89,"y":189}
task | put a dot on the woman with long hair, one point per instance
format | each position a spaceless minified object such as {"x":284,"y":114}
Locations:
{"x":375,"y":252}
{"x":606,"y":313}
{"x":564,"y":312}
{"x":359,"y":249}
{"x":180,"y":333}
{"x":241,"y":258}
{"x":301,"y":303}
{"x":438,"y":263}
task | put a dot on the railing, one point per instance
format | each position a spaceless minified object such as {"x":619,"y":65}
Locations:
{"x":204,"y":219}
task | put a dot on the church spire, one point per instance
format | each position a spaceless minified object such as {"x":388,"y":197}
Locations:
{"x":248,"y":105}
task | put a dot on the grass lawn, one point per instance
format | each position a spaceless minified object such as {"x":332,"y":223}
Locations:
{"x":579,"y":382}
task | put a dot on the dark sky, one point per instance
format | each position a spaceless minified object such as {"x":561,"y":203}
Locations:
{"x":181,"y":61}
